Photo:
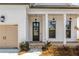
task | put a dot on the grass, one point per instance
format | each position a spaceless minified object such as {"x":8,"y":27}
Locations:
{"x":56,"y":50}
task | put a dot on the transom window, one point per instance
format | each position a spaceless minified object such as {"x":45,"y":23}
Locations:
{"x":52,"y":28}
{"x":68,"y":28}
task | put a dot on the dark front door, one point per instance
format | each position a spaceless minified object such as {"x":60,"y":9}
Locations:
{"x":36,"y":29}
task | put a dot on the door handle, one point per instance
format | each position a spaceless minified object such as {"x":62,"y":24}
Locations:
{"x":4,"y":37}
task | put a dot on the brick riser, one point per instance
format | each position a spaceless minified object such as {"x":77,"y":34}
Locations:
{"x":36,"y":44}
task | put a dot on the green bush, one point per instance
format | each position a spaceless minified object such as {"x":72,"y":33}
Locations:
{"x":24,"y":46}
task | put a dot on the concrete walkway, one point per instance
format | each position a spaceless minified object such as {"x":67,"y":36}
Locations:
{"x":9,"y":50}
{"x":33,"y":52}
{"x":13,"y":52}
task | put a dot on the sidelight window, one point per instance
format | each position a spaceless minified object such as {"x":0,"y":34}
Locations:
{"x":68,"y":28}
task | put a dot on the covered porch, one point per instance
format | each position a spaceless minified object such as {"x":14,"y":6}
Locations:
{"x":61,"y":16}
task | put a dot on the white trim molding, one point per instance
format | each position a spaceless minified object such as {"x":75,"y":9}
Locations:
{"x":46,"y":16}
{"x":64,"y":42}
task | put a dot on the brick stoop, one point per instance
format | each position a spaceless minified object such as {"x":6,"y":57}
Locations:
{"x":36,"y":44}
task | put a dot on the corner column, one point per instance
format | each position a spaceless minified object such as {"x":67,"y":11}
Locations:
{"x":46,"y":25}
{"x":64,"y":41}
{"x":27,"y":25}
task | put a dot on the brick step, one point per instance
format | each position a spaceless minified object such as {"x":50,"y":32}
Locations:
{"x":36,"y":44}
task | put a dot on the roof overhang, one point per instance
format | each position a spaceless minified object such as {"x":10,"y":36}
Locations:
{"x":47,"y":5}
{"x":55,"y":5}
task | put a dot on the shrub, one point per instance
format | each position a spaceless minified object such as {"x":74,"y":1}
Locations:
{"x":66,"y":51}
{"x":24,"y":46}
{"x":76,"y":50}
{"x":63,"y":50}
{"x":46,"y":46}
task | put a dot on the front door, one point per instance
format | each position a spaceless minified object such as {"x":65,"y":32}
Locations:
{"x":36,"y":30}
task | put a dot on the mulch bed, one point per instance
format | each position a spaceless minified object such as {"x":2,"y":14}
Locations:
{"x":61,"y":51}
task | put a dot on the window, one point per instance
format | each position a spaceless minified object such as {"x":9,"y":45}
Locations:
{"x":52,"y":28}
{"x":68,"y":28}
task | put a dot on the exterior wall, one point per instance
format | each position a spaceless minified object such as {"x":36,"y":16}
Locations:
{"x":59,"y":15}
{"x":15,"y":14}
{"x":59,"y":26}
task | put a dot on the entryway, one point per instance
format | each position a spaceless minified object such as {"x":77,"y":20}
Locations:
{"x":8,"y":36}
{"x":36,"y":27}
